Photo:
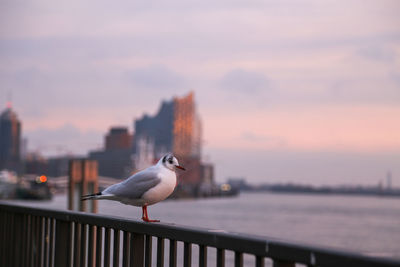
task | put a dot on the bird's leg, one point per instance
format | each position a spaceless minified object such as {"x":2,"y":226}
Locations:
{"x":145,"y":216}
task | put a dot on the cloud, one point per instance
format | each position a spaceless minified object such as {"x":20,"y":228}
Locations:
{"x":243,"y":81}
{"x":378,"y":53}
{"x":155,"y":77}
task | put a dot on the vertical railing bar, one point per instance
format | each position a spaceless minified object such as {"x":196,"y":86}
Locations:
{"x":28,"y":240}
{"x":8,"y":238}
{"x":259,"y":261}
{"x":172,"y":252}
{"x":38,"y":243}
{"x":41,"y":241}
{"x":160,"y":252}
{"x":238,"y":259}
{"x":33,"y":239}
{"x":202,"y":256}
{"x":52,"y":232}
{"x":17,"y":239}
{"x":71,"y":247}
{"x":148,"y":251}
{"x":2,"y":240}
{"x":23,"y":240}
{"x":91,"y":245}
{"x":84,"y":234}
{"x":46,"y":241}
{"x":116,"y":247}
{"x":77,"y":244}
{"x":63,"y":243}
{"x":187,"y":254}
{"x":2,"y":233}
{"x":137,"y":250}
{"x":126,"y":250}
{"x":220,"y":257}
{"x":99,"y":245}
{"x":6,"y":248}
{"x":107,"y":247}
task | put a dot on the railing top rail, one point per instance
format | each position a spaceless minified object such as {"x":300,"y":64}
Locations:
{"x":259,"y":246}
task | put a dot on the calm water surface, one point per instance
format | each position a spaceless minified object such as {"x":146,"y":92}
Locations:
{"x":370,"y":225}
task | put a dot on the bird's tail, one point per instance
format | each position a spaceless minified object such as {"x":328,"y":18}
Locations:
{"x":91,"y":196}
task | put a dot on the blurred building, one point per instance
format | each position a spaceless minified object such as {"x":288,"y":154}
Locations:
{"x":115,"y":160}
{"x":10,"y":139}
{"x":58,"y":166}
{"x":118,"y":138}
{"x":175,"y":128}
{"x":34,"y":163}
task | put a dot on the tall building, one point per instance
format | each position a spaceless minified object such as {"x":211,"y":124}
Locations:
{"x":175,"y":128}
{"x":10,"y":139}
{"x":186,"y":127}
{"x":115,"y":160}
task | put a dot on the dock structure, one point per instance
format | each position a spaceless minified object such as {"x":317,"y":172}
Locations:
{"x":42,"y":237}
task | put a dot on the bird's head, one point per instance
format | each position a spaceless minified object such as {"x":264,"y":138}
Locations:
{"x":170,"y":162}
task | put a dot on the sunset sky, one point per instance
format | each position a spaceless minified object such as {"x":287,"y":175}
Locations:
{"x":288,"y":91}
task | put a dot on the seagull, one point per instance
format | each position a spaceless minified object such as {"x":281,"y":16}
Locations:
{"x":144,"y":188}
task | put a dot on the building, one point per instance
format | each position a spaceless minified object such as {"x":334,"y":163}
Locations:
{"x":175,"y":128}
{"x":118,"y":138}
{"x":10,"y":139}
{"x":58,"y":166}
{"x":115,"y":160}
{"x":34,"y":163}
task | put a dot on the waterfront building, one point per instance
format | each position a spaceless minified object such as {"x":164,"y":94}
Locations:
{"x":10,"y":139}
{"x":115,"y":160}
{"x":176,"y":128}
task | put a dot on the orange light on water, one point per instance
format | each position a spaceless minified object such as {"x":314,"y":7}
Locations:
{"x":43,"y":179}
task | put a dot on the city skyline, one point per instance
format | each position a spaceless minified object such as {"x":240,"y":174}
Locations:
{"x":305,"y":92}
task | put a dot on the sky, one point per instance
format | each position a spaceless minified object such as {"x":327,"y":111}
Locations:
{"x":288,"y":91}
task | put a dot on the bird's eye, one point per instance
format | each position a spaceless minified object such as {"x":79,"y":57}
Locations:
{"x":170,"y":161}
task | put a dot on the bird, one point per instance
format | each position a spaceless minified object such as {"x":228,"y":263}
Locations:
{"x":144,"y":188}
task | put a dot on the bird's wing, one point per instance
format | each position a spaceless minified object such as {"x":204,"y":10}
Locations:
{"x":136,"y":185}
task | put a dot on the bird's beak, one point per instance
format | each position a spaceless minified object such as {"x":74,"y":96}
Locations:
{"x":180,"y":167}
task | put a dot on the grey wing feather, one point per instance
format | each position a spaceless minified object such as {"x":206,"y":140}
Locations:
{"x":136,"y":185}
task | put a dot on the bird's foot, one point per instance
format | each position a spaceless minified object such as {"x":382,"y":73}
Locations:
{"x":148,"y":220}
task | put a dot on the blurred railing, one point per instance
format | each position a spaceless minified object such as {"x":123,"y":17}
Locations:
{"x":40,"y":237}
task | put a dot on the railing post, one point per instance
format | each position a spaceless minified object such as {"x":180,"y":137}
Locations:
{"x":62,"y":244}
{"x":187,"y":255}
{"x":202,"y":256}
{"x":137,"y":250}
{"x":220,"y":257}
{"x":172,"y":252}
{"x":148,"y":251}
{"x":160,"y":252}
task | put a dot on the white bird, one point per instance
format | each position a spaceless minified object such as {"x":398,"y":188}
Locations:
{"x":144,"y":188}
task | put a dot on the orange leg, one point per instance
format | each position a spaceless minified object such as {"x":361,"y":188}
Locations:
{"x":145,"y":215}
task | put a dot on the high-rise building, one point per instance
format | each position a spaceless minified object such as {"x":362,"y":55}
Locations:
{"x":175,"y":128}
{"x":10,"y":136}
{"x":186,"y":128}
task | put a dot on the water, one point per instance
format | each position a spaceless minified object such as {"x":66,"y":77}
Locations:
{"x":370,"y":225}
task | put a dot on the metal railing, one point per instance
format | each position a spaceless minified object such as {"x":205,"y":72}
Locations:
{"x":40,"y":237}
